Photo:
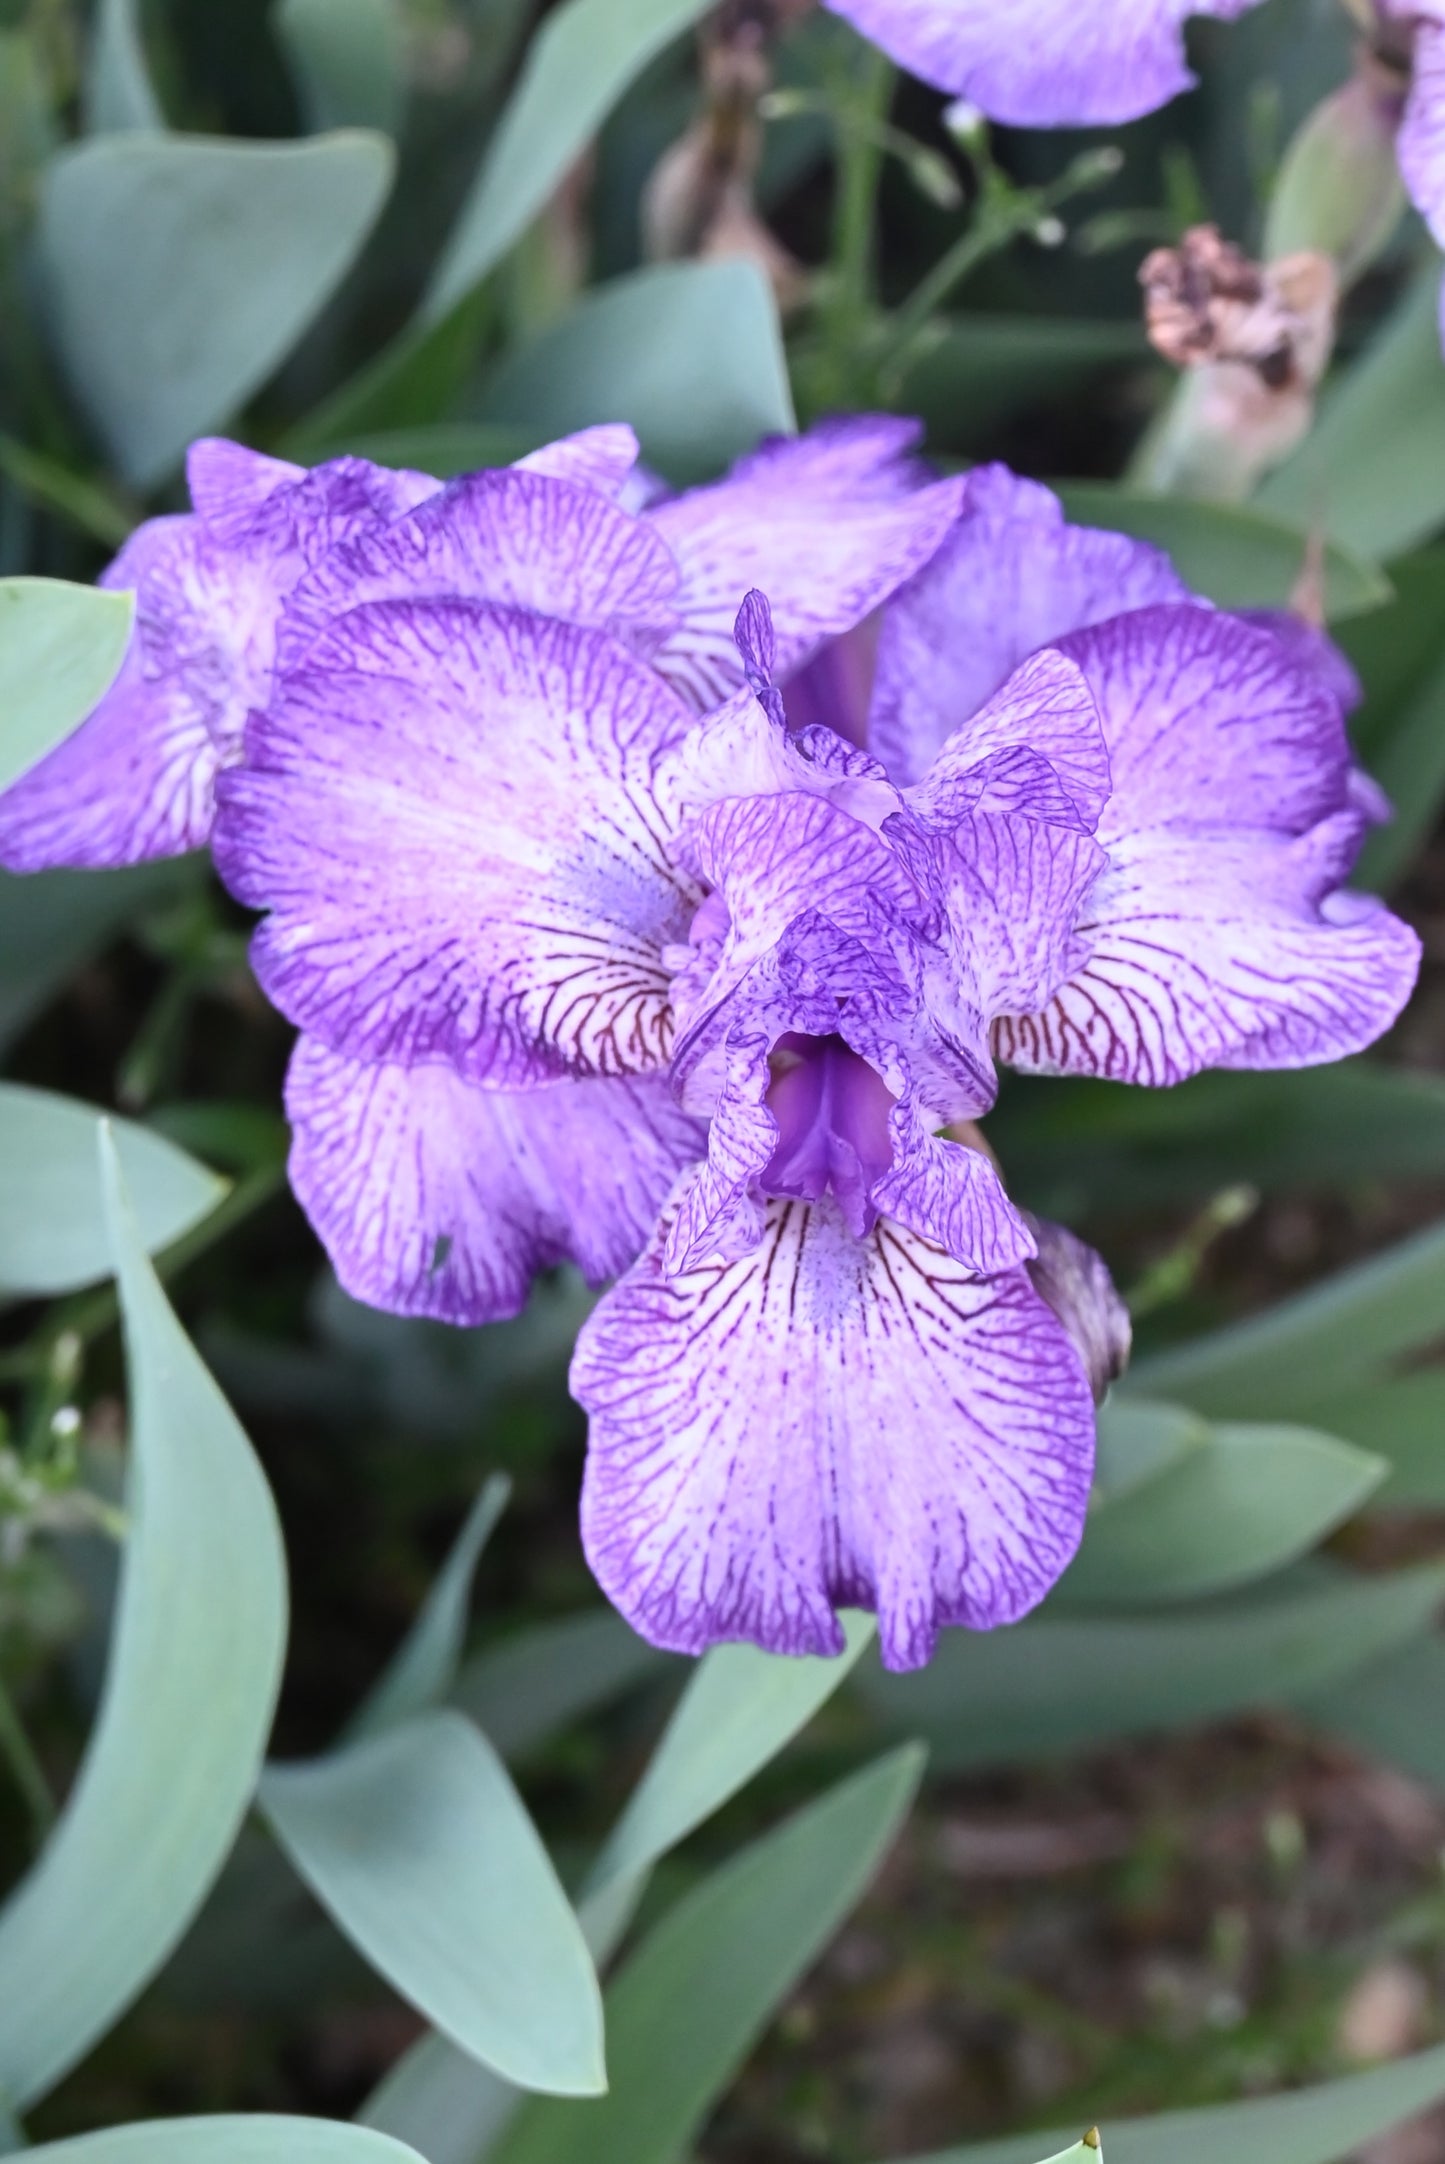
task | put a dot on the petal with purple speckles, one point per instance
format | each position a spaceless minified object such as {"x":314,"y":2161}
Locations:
{"x":602,"y":458}
{"x":1011,"y":577}
{"x":509,"y":537}
{"x":447,"y":810}
{"x":826,"y":524}
{"x":1220,"y":933}
{"x":829,"y":1423}
{"x":1042,"y":63}
{"x":1421,"y":142}
{"x":434,"y":1197}
{"x":135,"y":781}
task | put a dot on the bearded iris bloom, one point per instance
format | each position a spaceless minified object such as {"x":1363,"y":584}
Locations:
{"x":714,"y":999}
{"x":682,"y":950}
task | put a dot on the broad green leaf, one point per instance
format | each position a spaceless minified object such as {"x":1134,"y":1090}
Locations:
{"x":1087,"y":2150}
{"x":349,"y":61}
{"x":1238,"y":557}
{"x":179,"y":271}
{"x":526,"y":1687}
{"x":1105,"y":1149}
{"x":1393,"y":1710}
{"x":977,"y":370}
{"x":740,"y":1708}
{"x":1242,"y":1502}
{"x":425,"y":1666}
{"x":1399,"y":732}
{"x":60,"y":648}
{"x":1283,"y":1364}
{"x":54,"y":1223}
{"x":52,"y":922}
{"x":1137,"y":1441}
{"x":118,"y":94}
{"x":1304,"y":2126}
{"x":689,"y":353}
{"x":195,"y":1663}
{"x":442,"y":2102}
{"x":1403,"y":1419}
{"x":419,"y":1846}
{"x":690,"y":2003}
{"x":1372,"y":469}
{"x":1053,"y":1685}
{"x":580,"y":62}
{"x":258,"y":2139}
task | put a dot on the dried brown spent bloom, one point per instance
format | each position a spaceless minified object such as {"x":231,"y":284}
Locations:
{"x":699,"y":201}
{"x":1206,"y":300}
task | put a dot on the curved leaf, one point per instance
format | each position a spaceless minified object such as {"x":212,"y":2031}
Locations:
{"x":349,"y":61}
{"x":55,"y":1232}
{"x":258,"y":2139}
{"x":60,"y":648}
{"x":690,"y":353}
{"x":688,"y":2006}
{"x":118,"y":93}
{"x":1306,"y":2126}
{"x":425,"y":1665}
{"x":1373,"y":465}
{"x":422,"y":1851}
{"x":195,"y":1665}
{"x":1238,"y":1504}
{"x":740,"y":1708}
{"x":179,"y":271}
{"x":1054,"y":1685}
{"x":580,"y":62}
{"x":1289,"y":1362}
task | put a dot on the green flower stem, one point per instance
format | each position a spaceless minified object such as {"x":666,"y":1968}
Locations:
{"x":860,"y":103}
{"x":1003,"y":214}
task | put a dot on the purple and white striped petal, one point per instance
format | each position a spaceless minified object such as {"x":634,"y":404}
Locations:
{"x":447,"y":810}
{"x":829,"y":1423}
{"x":433,"y":1197}
{"x":1011,"y":577}
{"x":1420,"y":145}
{"x":827,"y":524}
{"x":602,"y":458}
{"x":1042,"y":63}
{"x":136,"y":779}
{"x":1220,"y":934}
{"x":509,"y":537}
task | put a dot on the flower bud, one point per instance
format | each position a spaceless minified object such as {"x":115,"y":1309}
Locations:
{"x":1339,"y":192}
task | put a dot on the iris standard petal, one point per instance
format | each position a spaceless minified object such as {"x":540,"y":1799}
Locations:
{"x":1042,"y":63}
{"x":1011,"y":576}
{"x":447,"y":810}
{"x":434,"y":1197}
{"x":136,"y":779}
{"x":827,"y":524}
{"x":1420,"y":145}
{"x":828,"y":1423}
{"x":508,"y":537}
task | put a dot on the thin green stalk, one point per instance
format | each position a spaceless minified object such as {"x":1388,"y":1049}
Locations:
{"x":19,"y":1754}
{"x":860,"y":107}
{"x":1003,"y":214}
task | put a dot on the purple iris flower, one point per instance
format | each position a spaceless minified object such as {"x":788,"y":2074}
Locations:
{"x":624,"y":933}
{"x":714,"y":998}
